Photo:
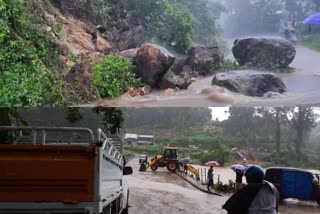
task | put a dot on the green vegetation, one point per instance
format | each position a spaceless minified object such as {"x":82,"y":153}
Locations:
{"x":287,"y":69}
{"x":113,"y":76}
{"x":225,"y":188}
{"x":290,"y":159}
{"x":310,"y":43}
{"x":282,"y":136}
{"x":148,"y":149}
{"x":127,"y":153}
{"x":229,"y":65}
{"x":165,"y":20}
{"x":25,"y":59}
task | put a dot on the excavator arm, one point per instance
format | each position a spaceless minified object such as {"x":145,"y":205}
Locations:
{"x":194,"y":171}
{"x":153,"y":164}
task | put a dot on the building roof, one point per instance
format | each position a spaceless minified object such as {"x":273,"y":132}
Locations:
{"x":131,"y":136}
{"x":146,"y":136}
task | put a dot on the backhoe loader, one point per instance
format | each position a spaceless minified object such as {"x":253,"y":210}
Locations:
{"x":168,"y":159}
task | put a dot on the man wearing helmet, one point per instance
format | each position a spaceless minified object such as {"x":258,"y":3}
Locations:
{"x":257,"y":197}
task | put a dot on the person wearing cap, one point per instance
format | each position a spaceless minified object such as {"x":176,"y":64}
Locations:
{"x":257,"y":197}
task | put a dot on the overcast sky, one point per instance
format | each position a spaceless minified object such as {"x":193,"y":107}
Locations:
{"x":220,"y":112}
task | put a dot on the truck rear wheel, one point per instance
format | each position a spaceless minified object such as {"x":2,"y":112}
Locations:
{"x":172,"y":166}
{"x":154,"y":167}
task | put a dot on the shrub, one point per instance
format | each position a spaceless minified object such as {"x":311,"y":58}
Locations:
{"x":165,"y":20}
{"x":225,"y":188}
{"x":113,"y":76}
{"x":25,"y":56}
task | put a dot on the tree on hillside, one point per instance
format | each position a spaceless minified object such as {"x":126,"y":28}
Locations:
{"x":74,"y":115}
{"x":164,"y":20}
{"x":205,"y":15}
{"x":181,"y":119}
{"x":112,"y":119}
{"x":278,"y":117}
{"x":8,"y":117}
{"x":240,"y":122}
{"x":303,"y":120}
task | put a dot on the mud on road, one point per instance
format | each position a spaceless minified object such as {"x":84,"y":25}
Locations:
{"x":163,"y":192}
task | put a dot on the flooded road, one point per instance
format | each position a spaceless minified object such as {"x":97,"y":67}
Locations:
{"x":163,"y":192}
{"x":303,"y":89}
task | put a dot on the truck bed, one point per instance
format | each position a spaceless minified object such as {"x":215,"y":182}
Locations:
{"x":47,"y":173}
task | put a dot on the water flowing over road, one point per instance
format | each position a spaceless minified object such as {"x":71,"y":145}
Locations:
{"x":164,"y":192}
{"x":303,"y":89}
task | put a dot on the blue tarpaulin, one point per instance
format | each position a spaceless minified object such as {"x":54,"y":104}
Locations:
{"x":296,"y":185}
{"x":313,"y":19}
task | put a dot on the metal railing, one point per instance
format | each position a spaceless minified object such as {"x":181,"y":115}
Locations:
{"x":49,"y":135}
{"x":109,"y":147}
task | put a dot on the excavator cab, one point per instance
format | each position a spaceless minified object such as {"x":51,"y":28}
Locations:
{"x":168,"y":159}
{"x":170,"y":153}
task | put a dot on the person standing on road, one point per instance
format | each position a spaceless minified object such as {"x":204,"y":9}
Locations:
{"x":258,"y":197}
{"x":210,"y":177}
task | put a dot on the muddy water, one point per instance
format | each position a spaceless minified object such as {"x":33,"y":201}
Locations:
{"x":303,"y":88}
{"x":163,"y":192}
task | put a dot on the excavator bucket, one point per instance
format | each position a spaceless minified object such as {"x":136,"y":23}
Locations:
{"x":143,"y":168}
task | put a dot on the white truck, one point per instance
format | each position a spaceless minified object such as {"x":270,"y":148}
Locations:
{"x":61,"y":170}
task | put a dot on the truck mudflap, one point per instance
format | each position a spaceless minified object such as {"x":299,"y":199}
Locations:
{"x":43,"y":173}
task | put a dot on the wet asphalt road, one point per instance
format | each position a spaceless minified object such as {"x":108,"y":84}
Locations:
{"x":165,"y":193}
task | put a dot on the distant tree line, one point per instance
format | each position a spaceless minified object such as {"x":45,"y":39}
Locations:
{"x":290,"y":127}
{"x":180,"y":119}
{"x":245,"y":17}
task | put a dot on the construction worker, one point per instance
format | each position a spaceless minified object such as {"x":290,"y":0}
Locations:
{"x":210,"y":177}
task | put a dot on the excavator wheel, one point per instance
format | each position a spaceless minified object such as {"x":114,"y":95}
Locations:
{"x":154,"y":167}
{"x":172,"y":166}
{"x":143,"y":168}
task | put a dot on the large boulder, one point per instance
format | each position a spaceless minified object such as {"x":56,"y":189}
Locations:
{"x":250,"y":83}
{"x":205,"y":60}
{"x":181,"y":82}
{"x":264,"y":53}
{"x":152,"y":63}
{"x":129,"y":54}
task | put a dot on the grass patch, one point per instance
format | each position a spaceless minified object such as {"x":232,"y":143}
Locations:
{"x":310,"y":43}
{"x":230,"y":65}
{"x":285,"y":70}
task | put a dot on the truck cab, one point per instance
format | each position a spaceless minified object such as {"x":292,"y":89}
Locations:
{"x":61,"y":170}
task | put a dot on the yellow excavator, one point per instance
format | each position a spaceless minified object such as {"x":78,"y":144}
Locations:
{"x":168,"y":159}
